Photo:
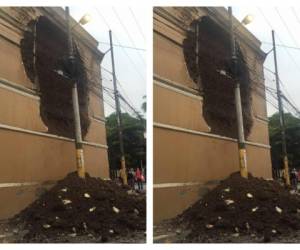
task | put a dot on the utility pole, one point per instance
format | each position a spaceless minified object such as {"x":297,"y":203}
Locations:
{"x":281,"y":117}
{"x":78,"y":136}
{"x":197,"y":45}
{"x":238,"y":104}
{"x":118,"y":111}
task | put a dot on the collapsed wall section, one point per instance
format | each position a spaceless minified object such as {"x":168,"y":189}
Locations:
{"x":44,"y":52}
{"x":217,"y":89}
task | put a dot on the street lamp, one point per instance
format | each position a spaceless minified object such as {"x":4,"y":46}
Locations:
{"x":85,"y":19}
{"x":71,"y":62}
{"x":247,"y":19}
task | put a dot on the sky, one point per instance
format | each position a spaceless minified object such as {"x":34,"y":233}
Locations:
{"x":127,"y":25}
{"x":286,"y":23}
{"x":131,"y":64}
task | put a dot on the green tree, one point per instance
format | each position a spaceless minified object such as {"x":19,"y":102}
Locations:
{"x":144,"y":104}
{"x":134,"y":141}
{"x":292,"y":139}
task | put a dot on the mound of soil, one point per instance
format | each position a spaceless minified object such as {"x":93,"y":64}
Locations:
{"x":239,"y":207}
{"x":89,"y":206}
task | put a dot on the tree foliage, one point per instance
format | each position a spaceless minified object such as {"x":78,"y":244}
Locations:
{"x":144,"y":104}
{"x":292,"y":125}
{"x":134,"y":141}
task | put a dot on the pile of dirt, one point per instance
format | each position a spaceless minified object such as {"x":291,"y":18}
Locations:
{"x":90,"y":206}
{"x":237,"y":207}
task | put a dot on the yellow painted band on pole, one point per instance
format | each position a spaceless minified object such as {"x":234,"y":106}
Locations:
{"x":80,"y":163}
{"x":123,"y":171}
{"x":286,"y":171}
{"x":243,"y":163}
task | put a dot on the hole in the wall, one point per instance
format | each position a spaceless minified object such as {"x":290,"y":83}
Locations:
{"x":56,"y":90}
{"x":217,"y":89}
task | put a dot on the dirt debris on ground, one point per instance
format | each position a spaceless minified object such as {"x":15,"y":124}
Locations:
{"x":90,"y":208}
{"x":242,"y":210}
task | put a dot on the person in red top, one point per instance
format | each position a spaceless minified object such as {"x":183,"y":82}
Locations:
{"x":139,"y":179}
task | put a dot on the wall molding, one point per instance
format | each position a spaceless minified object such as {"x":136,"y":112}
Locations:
{"x":98,"y":119}
{"x":172,"y":185}
{"x":19,"y":89}
{"x":18,"y":184}
{"x":261,"y":119}
{"x":186,"y":184}
{"x":190,"y":131}
{"x":43,"y":134}
{"x":176,"y":87}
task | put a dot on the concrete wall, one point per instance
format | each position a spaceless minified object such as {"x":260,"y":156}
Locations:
{"x":188,"y":159}
{"x":31,"y":158}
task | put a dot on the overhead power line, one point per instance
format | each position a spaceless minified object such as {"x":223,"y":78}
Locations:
{"x":119,"y":83}
{"x":110,"y":92}
{"x":295,"y":14}
{"x":137,"y":24}
{"x":127,"y":32}
{"x":281,"y":83}
{"x":288,"y":101}
{"x":132,"y":108}
{"x":270,"y":25}
{"x":282,"y":45}
{"x":108,"y":80}
{"x":287,"y":93}
{"x":286,"y":26}
{"x":123,"y":49}
{"x":124,"y":46}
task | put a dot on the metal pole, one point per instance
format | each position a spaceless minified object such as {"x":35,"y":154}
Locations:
{"x":281,"y":117}
{"x":76,"y":113}
{"x":238,"y":104}
{"x":197,"y":45}
{"x":118,"y":111}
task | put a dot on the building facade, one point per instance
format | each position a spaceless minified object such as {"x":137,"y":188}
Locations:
{"x":194,"y":142}
{"x":36,"y":119}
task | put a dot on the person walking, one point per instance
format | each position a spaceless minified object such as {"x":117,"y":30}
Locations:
{"x":294,"y":178}
{"x":130,"y":178}
{"x":139,"y":178}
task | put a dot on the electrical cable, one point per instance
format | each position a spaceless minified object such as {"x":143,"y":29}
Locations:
{"x":137,"y":24}
{"x":123,"y":49}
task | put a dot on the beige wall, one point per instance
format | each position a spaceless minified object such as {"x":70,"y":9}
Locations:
{"x":11,"y":66}
{"x":20,"y":109}
{"x":32,"y":159}
{"x":182,"y":158}
{"x":175,"y":69}
{"x":188,"y":159}
{"x":178,"y":108}
{"x":27,"y":157}
{"x":36,"y":158}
